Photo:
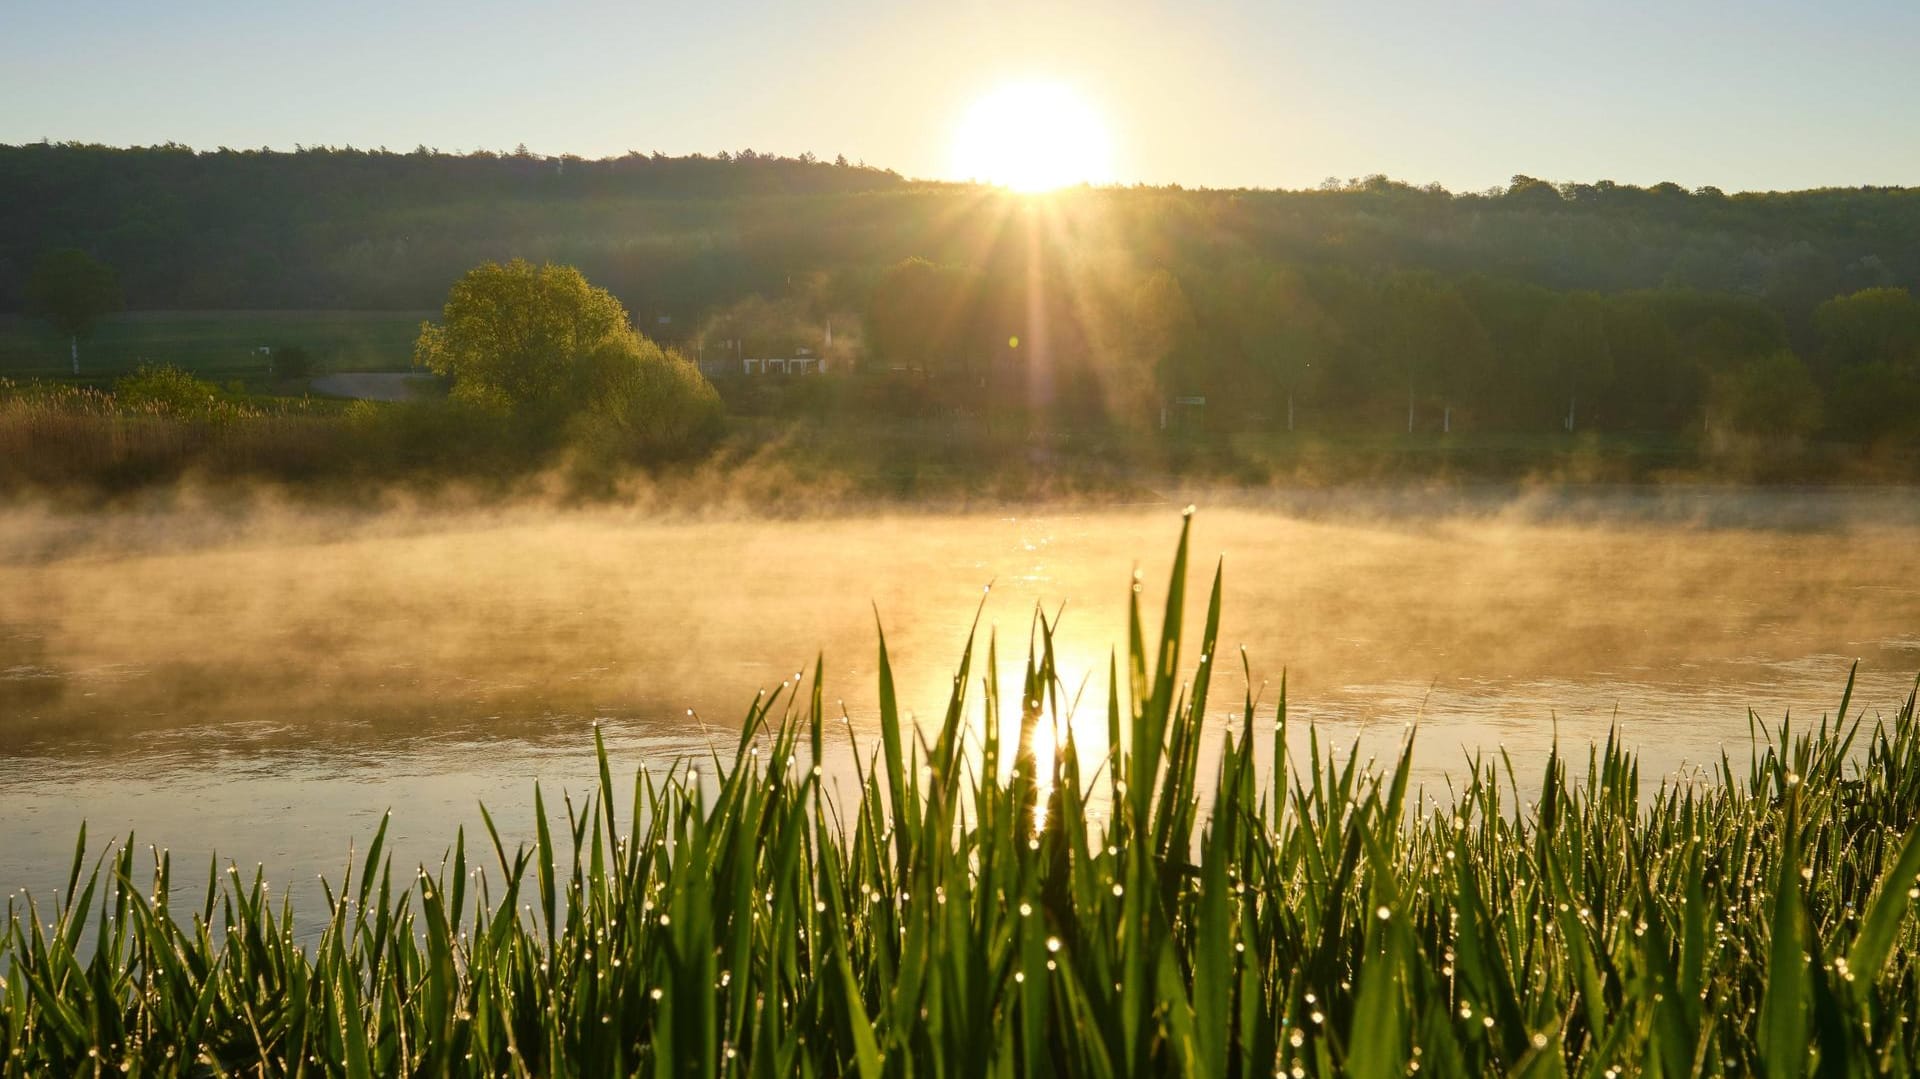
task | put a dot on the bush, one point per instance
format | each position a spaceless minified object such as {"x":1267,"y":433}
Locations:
{"x":635,"y":401}
{"x":167,"y":390}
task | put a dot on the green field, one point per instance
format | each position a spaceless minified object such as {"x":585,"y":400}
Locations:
{"x":220,"y":346}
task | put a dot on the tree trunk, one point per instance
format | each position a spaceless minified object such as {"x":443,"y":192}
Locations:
{"x":1446,"y":421}
{"x":1409,"y":408}
{"x":73,"y":343}
{"x":1571,"y":401}
{"x":1289,"y":413}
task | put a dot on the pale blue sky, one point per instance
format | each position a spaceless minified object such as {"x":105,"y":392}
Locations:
{"x":1753,"y":95}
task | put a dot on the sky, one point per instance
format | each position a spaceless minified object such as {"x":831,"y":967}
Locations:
{"x":1758,"y":95}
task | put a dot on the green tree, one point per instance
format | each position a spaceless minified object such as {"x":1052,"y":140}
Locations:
{"x":1654,"y":385}
{"x":923,"y":316}
{"x":1433,"y":340}
{"x":1286,"y":336}
{"x":642,"y":402}
{"x":71,"y":290}
{"x":1877,"y":402}
{"x":1771,"y":397}
{"x":1876,"y":325}
{"x":554,"y":352}
{"x":512,"y":336}
{"x":1574,"y":352}
{"x":1164,"y":339}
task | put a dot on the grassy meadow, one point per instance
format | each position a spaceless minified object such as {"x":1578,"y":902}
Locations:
{"x":987,"y":906}
{"x":219,"y":346}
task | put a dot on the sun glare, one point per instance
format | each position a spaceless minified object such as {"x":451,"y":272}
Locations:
{"x":1033,"y":136}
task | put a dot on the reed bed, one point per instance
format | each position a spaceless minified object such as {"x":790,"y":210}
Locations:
{"x":969,"y":913}
{"x":57,"y":436}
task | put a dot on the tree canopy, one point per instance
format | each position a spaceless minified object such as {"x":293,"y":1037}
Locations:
{"x":517,"y":336}
{"x":72,"y":290}
{"x":542,"y":345}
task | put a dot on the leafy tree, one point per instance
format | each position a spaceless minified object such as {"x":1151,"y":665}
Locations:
{"x":1873,"y":325}
{"x":512,"y":336}
{"x":71,"y":290}
{"x":1433,"y":340}
{"x":1773,"y":397}
{"x":1654,"y":386}
{"x":643,"y":402}
{"x":1287,"y":336}
{"x":923,"y":316}
{"x":1574,"y":354}
{"x":1165,"y":333}
{"x":1525,"y":191}
{"x":543,"y":346}
{"x":1876,"y":403}
{"x":905,"y":308}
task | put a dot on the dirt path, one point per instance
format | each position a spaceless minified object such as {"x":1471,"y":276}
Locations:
{"x":372,"y":385}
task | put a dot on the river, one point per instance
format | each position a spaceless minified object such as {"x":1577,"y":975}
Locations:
{"x":265,"y":680}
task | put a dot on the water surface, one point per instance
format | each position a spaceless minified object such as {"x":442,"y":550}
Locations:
{"x":266,"y":682}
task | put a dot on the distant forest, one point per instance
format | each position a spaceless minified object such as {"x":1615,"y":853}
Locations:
{"x":1532,"y":307}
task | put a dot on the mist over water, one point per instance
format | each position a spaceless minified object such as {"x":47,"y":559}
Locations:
{"x":265,"y":682}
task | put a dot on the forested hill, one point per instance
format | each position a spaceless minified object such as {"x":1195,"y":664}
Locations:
{"x":344,"y":228}
{"x":1363,"y":304}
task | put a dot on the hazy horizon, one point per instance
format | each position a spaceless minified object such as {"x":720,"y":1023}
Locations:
{"x":1742,"y":97}
{"x":962,"y":181}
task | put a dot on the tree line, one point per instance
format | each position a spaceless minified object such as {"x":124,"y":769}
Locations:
{"x":1364,"y":302}
{"x":1327,"y":348}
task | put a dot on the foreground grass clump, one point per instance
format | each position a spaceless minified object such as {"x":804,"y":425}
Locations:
{"x":745,"y":923}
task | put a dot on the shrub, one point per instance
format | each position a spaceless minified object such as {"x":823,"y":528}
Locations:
{"x":636,"y":402}
{"x":167,"y":390}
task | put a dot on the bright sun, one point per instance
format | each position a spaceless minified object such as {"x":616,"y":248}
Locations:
{"x":1033,"y":136}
